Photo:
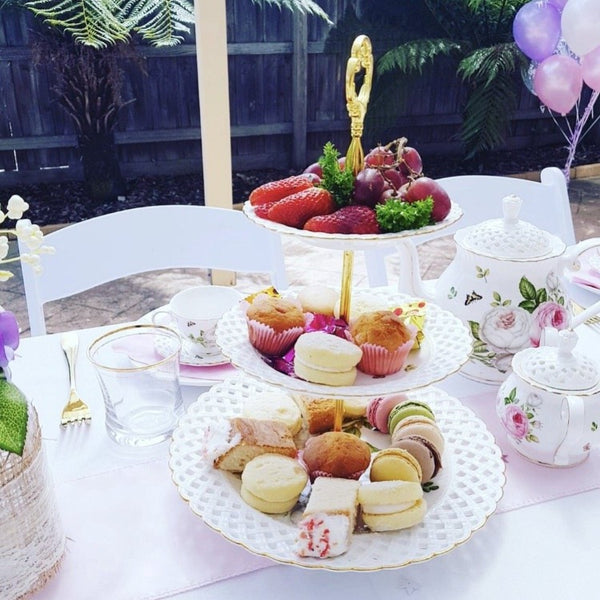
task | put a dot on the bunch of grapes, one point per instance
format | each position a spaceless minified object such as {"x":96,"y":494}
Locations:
{"x":393,"y":172}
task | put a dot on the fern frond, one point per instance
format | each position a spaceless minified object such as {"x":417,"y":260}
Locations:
{"x":412,"y":56}
{"x":90,"y":22}
{"x":490,"y":103}
{"x":485,"y":64}
{"x":303,"y":6}
{"x":160,"y":22}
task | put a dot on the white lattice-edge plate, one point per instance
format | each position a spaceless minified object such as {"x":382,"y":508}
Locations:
{"x":446,"y":348}
{"x":470,"y":486}
{"x":340,"y":241}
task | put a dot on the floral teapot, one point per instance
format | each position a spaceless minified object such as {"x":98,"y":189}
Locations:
{"x":550,"y":404}
{"x":505,"y":283}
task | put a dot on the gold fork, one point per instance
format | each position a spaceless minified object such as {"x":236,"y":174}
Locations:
{"x":75,"y":410}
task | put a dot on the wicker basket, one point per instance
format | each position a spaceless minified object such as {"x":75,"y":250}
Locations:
{"x":32,"y":540}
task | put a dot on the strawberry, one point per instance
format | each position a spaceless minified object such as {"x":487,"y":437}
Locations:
{"x":349,"y":219}
{"x":262,"y":210}
{"x":276,"y":190}
{"x":296,"y":209}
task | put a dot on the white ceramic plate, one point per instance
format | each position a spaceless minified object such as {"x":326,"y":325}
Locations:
{"x":446,"y":348}
{"x":470,"y":486}
{"x":351,"y":241}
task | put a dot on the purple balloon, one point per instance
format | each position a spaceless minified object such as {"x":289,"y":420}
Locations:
{"x":590,"y":69}
{"x":558,"y":4}
{"x":558,"y":82}
{"x":536,"y":29}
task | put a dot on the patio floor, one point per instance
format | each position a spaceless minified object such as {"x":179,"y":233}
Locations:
{"x":130,"y":298}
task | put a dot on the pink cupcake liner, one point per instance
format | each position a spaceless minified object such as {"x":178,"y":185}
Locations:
{"x":316,"y":473}
{"x":376,"y":360}
{"x":267,"y":341}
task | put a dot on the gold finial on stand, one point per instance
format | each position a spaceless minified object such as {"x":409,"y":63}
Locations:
{"x":361,"y":58}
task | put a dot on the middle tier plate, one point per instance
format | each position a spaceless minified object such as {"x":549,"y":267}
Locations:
{"x":445,"y":349}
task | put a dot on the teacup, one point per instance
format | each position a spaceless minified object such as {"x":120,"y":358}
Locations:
{"x":195,"y":313}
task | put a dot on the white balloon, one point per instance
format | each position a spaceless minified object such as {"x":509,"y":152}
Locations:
{"x":580,"y":24}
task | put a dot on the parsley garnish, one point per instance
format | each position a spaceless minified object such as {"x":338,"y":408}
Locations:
{"x":338,"y":183}
{"x":397,"y":215}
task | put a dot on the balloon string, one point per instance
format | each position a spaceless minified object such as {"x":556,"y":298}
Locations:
{"x":577,"y":132}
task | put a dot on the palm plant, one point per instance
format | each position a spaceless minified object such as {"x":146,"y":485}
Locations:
{"x":476,"y":37}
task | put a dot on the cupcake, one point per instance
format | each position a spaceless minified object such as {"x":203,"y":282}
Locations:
{"x":336,"y":454}
{"x":385,"y":341}
{"x":274,"y":324}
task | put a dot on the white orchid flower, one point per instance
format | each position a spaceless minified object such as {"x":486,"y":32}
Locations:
{"x":3,"y":246}
{"x":31,"y":235}
{"x":16,"y":207}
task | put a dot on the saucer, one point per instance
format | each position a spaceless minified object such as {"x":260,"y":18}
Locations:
{"x":188,"y":355}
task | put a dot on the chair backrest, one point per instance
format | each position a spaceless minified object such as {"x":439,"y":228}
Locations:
{"x":545,"y":204}
{"x":139,"y":240}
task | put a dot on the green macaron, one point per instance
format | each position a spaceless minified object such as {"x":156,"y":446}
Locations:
{"x":408,"y":408}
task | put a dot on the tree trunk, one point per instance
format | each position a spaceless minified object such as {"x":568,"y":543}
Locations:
{"x":101,"y":169}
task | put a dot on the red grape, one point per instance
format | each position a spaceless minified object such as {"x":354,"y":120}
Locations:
{"x":379,"y":157}
{"x":410,"y":161}
{"x":422,"y":187}
{"x":314,"y":168}
{"x":368,"y":185}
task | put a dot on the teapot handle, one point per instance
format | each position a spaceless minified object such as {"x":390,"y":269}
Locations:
{"x":569,"y":261}
{"x":572,"y":412}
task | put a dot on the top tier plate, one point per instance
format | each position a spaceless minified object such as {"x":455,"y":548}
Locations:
{"x":446,"y":347}
{"x":344,"y":241}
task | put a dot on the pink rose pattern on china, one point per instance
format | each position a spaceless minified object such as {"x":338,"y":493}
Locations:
{"x":547,"y":314}
{"x":509,"y":327}
{"x":519,"y":420}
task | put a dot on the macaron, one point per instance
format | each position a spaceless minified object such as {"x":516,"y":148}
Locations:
{"x":421,"y":426}
{"x":395,"y":464}
{"x":408,"y":408}
{"x":378,"y":410}
{"x":425,"y":452}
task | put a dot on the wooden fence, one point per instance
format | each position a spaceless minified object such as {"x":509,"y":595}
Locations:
{"x":286,"y":95}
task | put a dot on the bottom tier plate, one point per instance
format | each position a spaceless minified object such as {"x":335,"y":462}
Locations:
{"x":469,"y":487}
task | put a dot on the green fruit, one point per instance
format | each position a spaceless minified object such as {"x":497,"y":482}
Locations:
{"x":13,"y":418}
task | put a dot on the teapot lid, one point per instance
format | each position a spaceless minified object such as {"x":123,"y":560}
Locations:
{"x":557,"y":367}
{"x":509,"y":237}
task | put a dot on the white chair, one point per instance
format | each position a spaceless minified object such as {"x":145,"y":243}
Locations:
{"x":545,"y":204}
{"x":152,"y":238}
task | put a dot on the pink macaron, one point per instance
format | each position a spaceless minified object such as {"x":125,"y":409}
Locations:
{"x":378,"y":410}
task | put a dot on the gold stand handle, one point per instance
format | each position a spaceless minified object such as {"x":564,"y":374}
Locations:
{"x":361,"y":58}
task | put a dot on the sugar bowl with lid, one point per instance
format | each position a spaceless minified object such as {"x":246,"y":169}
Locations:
{"x":506,"y":285}
{"x":549,"y":405}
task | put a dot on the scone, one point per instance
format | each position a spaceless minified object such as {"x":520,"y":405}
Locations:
{"x":385,"y":342}
{"x":272,"y":483}
{"x":325,"y":358}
